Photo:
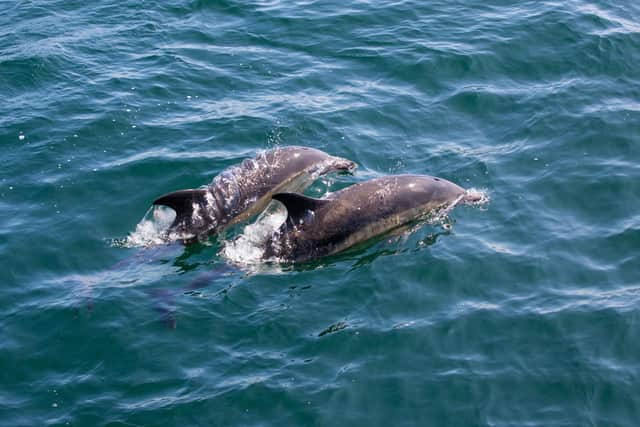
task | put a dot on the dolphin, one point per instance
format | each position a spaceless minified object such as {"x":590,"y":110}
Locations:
{"x":242,"y":191}
{"x":320,"y":227}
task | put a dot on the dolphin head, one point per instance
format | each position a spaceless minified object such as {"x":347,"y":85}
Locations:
{"x":335,"y":164}
{"x":315,"y":162}
{"x":430,"y":191}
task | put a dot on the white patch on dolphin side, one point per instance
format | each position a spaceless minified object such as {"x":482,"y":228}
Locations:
{"x":209,"y":199}
{"x":196,"y":216}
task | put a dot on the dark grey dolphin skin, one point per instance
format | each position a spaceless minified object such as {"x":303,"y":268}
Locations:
{"x":320,"y":227}
{"x":244,"y":190}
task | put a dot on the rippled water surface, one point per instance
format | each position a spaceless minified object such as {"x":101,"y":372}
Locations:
{"x":524,"y":311}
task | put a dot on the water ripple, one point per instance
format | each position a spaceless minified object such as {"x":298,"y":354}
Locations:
{"x":521,"y":312}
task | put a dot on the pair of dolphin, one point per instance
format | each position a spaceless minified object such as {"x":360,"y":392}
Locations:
{"x":314,"y":227}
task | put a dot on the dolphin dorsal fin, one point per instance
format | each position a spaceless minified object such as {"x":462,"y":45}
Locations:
{"x":182,"y":202}
{"x":298,"y":205}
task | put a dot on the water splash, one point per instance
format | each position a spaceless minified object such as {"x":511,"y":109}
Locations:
{"x":477,"y":197}
{"x":248,"y":248}
{"x":152,"y":230}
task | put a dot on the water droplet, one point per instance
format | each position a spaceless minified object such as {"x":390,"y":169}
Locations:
{"x":21,"y":137}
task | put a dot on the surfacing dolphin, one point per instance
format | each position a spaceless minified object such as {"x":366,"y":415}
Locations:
{"x":319,"y":227}
{"x":242,"y":191}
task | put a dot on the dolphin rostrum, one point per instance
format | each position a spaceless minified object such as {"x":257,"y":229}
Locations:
{"x":320,"y":227}
{"x":241,"y":191}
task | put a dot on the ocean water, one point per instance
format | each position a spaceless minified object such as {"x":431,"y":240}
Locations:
{"x":524,"y":311}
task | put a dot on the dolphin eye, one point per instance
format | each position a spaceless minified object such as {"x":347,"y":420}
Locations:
{"x":436,"y":179}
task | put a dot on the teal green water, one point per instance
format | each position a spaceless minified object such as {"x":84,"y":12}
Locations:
{"x":525,"y":313}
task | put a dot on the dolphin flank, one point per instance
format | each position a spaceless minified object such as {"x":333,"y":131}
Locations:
{"x":320,"y":227}
{"x":244,"y":190}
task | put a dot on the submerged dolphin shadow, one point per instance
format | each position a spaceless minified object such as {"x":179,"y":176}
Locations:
{"x":120,"y":272}
{"x":142,"y":267}
{"x":165,"y":299}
